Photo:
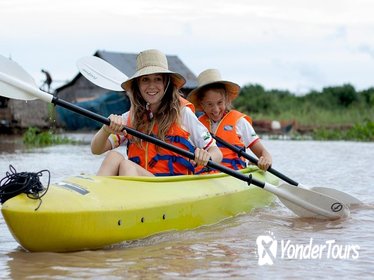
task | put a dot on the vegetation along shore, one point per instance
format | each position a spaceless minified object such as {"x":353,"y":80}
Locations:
{"x":335,"y":113}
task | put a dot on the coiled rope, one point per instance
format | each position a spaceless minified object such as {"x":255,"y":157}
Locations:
{"x":23,"y":182}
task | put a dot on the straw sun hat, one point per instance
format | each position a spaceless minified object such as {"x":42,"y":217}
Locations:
{"x":208,"y":77}
{"x":152,"y":62}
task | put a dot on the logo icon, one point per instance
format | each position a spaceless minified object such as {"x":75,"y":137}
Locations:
{"x":266,"y":249}
{"x":336,"y":207}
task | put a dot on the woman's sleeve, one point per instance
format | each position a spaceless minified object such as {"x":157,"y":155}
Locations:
{"x":246,"y":132}
{"x":199,"y":134}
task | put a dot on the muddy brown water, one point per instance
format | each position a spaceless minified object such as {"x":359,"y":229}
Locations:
{"x":343,"y":249}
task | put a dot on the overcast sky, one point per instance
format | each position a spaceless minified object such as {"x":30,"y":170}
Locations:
{"x":297,"y":45}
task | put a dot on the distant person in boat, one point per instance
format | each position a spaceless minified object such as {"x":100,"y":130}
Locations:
{"x":213,"y":96}
{"x":47,"y":82}
{"x":156,"y":109}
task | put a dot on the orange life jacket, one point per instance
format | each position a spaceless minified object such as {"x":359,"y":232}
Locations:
{"x":226,"y":130}
{"x":160,"y":161}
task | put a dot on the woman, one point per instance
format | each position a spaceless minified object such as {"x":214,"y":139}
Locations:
{"x":213,"y":97}
{"x":156,"y":109}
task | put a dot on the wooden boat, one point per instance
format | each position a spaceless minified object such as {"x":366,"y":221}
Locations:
{"x":90,"y":212}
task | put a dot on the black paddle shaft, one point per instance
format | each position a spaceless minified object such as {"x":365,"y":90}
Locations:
{"x":156,"y":141}
{"x":242,"y":153}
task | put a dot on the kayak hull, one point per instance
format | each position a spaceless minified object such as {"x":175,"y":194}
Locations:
{"x":91,"y":212}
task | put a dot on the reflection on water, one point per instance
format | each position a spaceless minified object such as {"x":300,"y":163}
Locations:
{"x":225,"y":250}
{"x":61,"y":160}
{"x":10,"y":143}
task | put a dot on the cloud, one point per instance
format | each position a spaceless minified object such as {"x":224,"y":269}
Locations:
{"x":366,"y":49}
{"x":289,"y":44}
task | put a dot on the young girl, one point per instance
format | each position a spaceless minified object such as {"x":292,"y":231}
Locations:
{"x":156,"y":109}
{"x":213,"y":96}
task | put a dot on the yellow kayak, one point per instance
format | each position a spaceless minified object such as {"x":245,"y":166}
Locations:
{"x":90,"y":212}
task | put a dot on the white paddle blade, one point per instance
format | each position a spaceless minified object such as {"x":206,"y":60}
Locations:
{"x":101,"y":73}
{"x":16,"y":83}
{"x":309,"y":204}
{"x":343,"y":197}
{"x":10,"y":69}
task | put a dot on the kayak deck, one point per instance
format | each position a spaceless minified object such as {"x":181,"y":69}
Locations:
{"x":90,"y":212}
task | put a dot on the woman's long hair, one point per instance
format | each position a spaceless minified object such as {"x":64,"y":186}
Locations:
{"x":168,"y":112}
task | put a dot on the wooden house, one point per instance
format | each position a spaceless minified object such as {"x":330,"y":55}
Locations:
{"x":17,"y":115}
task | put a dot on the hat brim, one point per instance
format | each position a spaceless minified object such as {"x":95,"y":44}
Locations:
{"x":178,"y":79}
{"x":232,"y":91}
